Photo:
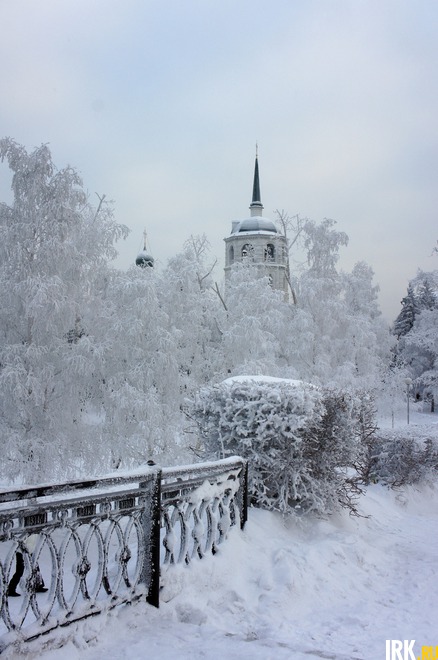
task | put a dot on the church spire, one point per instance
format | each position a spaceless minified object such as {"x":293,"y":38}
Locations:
{"x":256,"y":205}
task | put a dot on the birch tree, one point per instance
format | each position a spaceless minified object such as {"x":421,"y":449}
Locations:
{"x":53,"y":244}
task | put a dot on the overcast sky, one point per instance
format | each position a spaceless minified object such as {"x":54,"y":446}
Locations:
{"x":159,"y":105}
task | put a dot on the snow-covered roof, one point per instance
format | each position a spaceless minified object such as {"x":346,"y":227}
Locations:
{"x":144,"y":258}
{"x":255,"y":224}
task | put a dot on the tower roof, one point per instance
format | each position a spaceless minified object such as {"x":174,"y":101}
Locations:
{"x":256,"y":197}
{"x":256,"y":205}
{"x":256,"y":224}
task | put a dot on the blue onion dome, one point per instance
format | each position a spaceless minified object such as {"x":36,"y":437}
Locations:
{"x":144,"y":260}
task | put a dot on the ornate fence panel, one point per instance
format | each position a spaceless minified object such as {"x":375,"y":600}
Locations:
{"x":71,"y":550}
{"x":199,"y":503}
{"x":76,"y":548}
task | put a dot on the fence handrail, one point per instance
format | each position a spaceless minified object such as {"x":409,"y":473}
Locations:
{"x":210,"y":467}
{"x":64,"y":487}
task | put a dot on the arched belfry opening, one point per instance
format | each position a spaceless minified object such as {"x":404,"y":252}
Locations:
{"x":270,"y":252}
{"x":257,"y":241}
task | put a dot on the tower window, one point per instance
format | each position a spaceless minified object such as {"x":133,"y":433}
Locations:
{"x":231,"y":254}
{"x":248,"y":252}
{"x":270,"y":252}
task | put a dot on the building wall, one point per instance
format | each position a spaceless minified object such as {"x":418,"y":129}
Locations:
{"x":265,"y":249}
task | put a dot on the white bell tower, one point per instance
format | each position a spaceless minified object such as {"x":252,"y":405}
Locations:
{"x":256,"y":241}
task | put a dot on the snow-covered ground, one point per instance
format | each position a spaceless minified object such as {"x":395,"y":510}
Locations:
{"x":334,"y":589}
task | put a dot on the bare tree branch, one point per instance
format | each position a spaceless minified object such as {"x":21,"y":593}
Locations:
{"x":216,"y":290}
{"x":296,"y":225}
{"x":101,"y":201}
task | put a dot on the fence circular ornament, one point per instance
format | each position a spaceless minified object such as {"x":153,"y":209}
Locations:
{"x":83,"y":567}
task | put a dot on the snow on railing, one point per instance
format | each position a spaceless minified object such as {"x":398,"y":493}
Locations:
{"x":71,"y":550}
{"x":199,"y":504}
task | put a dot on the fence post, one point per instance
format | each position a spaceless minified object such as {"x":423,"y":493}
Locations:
{"x":152,"y":538}
{"x":244,"y":496}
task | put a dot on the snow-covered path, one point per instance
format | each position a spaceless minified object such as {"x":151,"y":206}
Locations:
{"x":327,"y":589}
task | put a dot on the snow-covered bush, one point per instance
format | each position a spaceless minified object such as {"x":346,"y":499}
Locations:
{"x":301,"y":441}
{"x":397,"y":458}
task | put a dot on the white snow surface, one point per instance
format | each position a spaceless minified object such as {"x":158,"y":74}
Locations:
{"x":266,"y":379}
{"x":333,"y":589}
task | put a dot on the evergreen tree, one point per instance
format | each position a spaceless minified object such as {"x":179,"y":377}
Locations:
{"x":427,"y":296}
{"x":420,"y":351}
{"x":405,"y":320}
{"x":416,"y":329}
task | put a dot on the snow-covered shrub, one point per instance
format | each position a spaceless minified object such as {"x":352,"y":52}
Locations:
{"x":366,"y":427}
{"x":398,"y":458}
{"x":301,"y":441}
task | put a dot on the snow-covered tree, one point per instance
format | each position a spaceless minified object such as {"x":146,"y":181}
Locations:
{"x":405,"y":320}
{"x":367,"y":339}
{"x":193,"y":310}
{"x":321,"y":308}
{"x":255,"y":332}
{"x":52,"y":245}
{"x":322,"y":243}
{"x":421,"y":348}
{"x":139,"y":379}
{"x":340,"y":337}
{"x":293,"y":229}
{"x":422,"y":294}
{"x":361,"y":294}
{"x":417,"y":333}
{"x":427,"y":295}
{"x":391,"y":397}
